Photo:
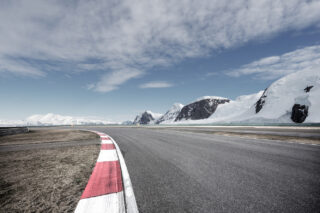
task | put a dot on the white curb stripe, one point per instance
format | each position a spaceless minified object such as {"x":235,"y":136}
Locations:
{"x":106,"y":141}
{"x":107,"y":155}
{"x":131,"y":204}
{"x":102,"y":204}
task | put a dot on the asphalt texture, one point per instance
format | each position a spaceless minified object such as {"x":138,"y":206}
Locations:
{"x":182,"y":171}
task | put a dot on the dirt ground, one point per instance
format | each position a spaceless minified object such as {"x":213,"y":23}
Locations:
{"x":45,"y":180}
{"x":260,"y":136}
{"x":271,"y":137}
{"x":41,"y":135}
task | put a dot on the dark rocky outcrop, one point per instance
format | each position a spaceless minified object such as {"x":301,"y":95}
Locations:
{"x":308,"y":88}
{"x":259,"y":104}
{"x":200,"y":109}
{"x":144,"y":118}
{"x":299,"y":113}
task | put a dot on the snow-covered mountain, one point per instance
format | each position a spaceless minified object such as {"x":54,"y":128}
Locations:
{"x":229,"y":110}
{"x":127,"y":122}
{"x":294,"y":98}
{"x":11,"y":123}
{"x":171,"y":114}
{"x":147,"y":117}
{"x":235,"y":107}
{"x":201,"y":109}
{"x":53,"y":119}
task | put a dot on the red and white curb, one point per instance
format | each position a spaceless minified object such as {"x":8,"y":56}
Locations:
{"x":109,"y":188}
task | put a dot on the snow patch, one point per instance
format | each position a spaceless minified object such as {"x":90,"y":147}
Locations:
{"x":211,"y":97}
{"x":156,"y":116}
{"x":53,"y":119}
{"x":171,"y":114}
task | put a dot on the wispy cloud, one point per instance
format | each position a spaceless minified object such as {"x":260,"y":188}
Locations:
{"x":111,"y":81}
{"x":131,"y":35}
{"x":276,"y":66}
{"x":19,"y":67}
{"x":156,"y":84}
{"x":209,"y":74}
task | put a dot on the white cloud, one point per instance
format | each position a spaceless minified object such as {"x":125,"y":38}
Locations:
{"x":111,"y":81}
{"x":134,"y":34}
{"x":19,"y":67}
{"x":156,"y":84}
{"x":276,"y":66}
{"x":209,"y":74}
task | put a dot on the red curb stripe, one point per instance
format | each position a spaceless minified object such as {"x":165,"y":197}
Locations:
{"x":107,"y":146}
{"x":105,"y":179}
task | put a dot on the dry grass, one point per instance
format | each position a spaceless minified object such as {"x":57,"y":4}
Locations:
{"x":47,"y":135}
{"x":45,"y":180}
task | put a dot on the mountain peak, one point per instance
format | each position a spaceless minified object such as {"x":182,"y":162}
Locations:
{"x":171,"y":114}
{"x":146,"y":117}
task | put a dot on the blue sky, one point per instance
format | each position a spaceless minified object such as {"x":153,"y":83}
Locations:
{"x":114,"y":59}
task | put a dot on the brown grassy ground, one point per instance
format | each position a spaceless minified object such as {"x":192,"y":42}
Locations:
{"x":45,"y":180}
{"x":47,"y":135}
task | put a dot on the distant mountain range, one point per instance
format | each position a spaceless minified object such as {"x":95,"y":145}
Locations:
{"x":294,"y":98}
{"x":51,"y":119}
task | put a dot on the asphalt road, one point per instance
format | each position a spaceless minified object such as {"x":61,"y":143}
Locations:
{"x":181,"y":171}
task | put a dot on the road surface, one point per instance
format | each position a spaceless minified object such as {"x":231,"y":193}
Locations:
{"x":182,"y":171}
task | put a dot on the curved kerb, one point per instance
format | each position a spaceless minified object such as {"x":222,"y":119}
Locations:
{"x":109,"y":188}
